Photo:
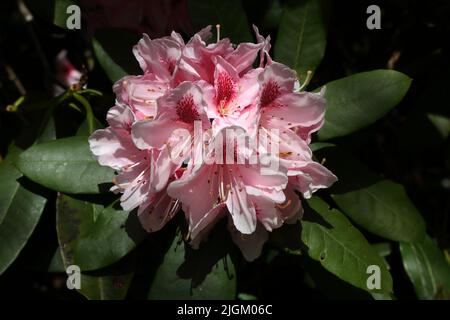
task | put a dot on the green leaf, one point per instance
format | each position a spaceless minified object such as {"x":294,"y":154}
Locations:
{"x":427,"y":268}
{"x":54,"y":11}
{"x":95,"y":236}
{"x":361,"y":99}
{"x":302,"y":35}
{"x":92,"y":237}
{"x":378,"y":205}
{"x":49,"y":130}
{"x":206,"y":273}
{"x":83,"y":130}
{"x":56,"y":264}
{"x":109,"y":287}
{"x":383,"y":248}
{"x":113,"y":49}
{"x":341,"y":249}
{"x":246,"y":296}
{"x":229,"y":14}
{"x":20,"y":210}
{"x":65,"y":165}
{"x":60,"y":12}
{"x":316,"y":146}
{"x":328,"y":284}
{"x":383,"y":296}
{"x":441,"y":123}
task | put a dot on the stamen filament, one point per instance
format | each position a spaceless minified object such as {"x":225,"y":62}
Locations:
{"x":307,"y":80}
{"x":218,"y":32}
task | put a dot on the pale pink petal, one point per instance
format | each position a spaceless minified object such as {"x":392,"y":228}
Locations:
{"x":243,"y":56}
{"x":113,"y":147}
{"x":306,"y":132}
{"x":157,"y":211}
{"x":240,"y":207}
{"x":253,"y":175}
{"x":164,"y":168}
{"x":226,"y":81}
{"x":311,"y":178}
{"x":198,"y":192}
{"x":158,"y":56}
{"x":276,"y":80}
{"x":249,"y":88}
{"x":120,"y":116}
{"x":292,"y":209}
{"x":140,"y":93}
{"x":267,"y":213}
{"x":264,"y":53}
{"x":295,"y":109}
{"x":153,"y":134}
{"x":134,"y":183}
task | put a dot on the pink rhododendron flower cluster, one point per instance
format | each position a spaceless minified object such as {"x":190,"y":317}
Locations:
{"x":196,"y":87}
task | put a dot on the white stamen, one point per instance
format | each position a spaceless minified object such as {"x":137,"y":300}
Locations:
{"x":218,"y":32}
{"x":307,"y":80}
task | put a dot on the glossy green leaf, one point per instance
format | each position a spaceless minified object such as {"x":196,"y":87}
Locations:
{"x":195,"y":274}
{"x":332,"y":240}
{"x":383,"y":248}
{"x":95,"y":236}
{"x":113,"y":49}
{"x":92,"y":237}
{"x":383,"y":296}
{"x":83,"y":130}
{"x":441,"y":123}
{"x":378,"y":205}
{"x":111,"y":287}
{"x":65,"y":165}
{"x":328,"y":284}
{"x":49,"y":130}
{"x":61,"y":15}
{"x":427,"y":268}
{"x":361,"y":99}
{"x":229,"y":14}
{"x":302,"y":35}
{"x":20,"y":210}
{"x":246,"y":296}
{"x":54,"y":11}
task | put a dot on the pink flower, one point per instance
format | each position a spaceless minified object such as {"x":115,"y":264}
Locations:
{"x":296,"y":115}
{"x":140,"y":94}
{"x":210,"y":90}
{"x":159,"y":57}
{"x":138,"y":181}
{"x":173,"y":125}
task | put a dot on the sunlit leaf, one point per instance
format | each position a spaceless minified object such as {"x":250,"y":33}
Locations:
{"x":65,"y":165}
{"x":332,"y":240}
{"x":20,"y":210}
{"x":378,"y":205}
{"x":95,"y":236}
{"x":359,"y":100}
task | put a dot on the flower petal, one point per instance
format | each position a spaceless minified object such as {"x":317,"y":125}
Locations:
{"x":295,"y":109}
{"x":251,"y":245}
{"x":113,"y":147}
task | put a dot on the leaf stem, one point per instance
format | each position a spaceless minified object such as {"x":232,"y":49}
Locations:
{"x":87,"y":106}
